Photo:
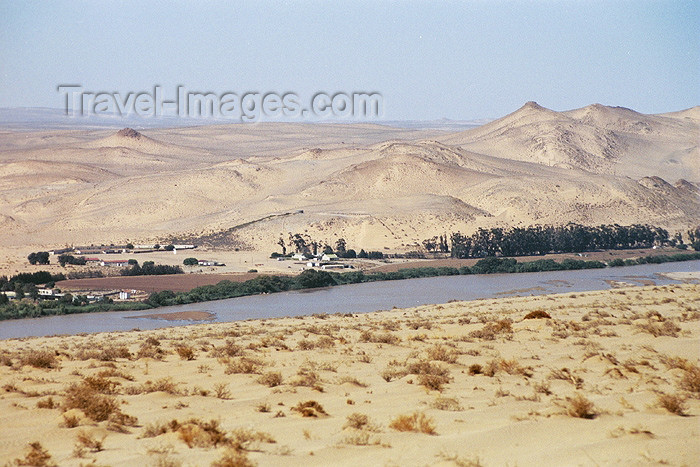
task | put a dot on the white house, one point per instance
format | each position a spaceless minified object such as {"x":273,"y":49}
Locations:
{"x":329,"y":257}
{"x":299,"y":256}
{"x":203,"y":262}
{"x":124,"y":295}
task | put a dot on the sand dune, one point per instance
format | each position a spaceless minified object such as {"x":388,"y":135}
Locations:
{"x":595,"y":138}
{"x":374,"y":185}
{"x":596,"y":378}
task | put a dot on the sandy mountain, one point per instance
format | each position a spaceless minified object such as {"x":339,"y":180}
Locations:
{"x":247,"y":185}
{"x":596,"y":138}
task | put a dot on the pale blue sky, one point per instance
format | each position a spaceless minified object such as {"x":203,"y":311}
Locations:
{"x":459,"y":60}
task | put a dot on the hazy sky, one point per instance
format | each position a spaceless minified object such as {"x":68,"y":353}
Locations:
{"x":459,"y":60}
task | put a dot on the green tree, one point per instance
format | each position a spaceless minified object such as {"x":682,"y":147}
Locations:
{"x":190,"y":262}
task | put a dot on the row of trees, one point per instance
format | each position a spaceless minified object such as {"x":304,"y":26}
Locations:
{"x":538,"y":240}
{"x":149,"y":268}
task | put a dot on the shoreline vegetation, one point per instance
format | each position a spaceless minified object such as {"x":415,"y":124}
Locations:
{"x":311,"y":279}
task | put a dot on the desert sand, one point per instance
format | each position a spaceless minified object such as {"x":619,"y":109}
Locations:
{"x":610,"y":378}
{"x":245,"y":186}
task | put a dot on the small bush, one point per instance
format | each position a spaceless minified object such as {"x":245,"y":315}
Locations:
{"x":40,"y":359}
{"x":47,"y":403}
{"x":186,"y":352}
{"x":233,"y":458}
{"x":673,"y":403}
{"x":416,"y":422}
{"x":493,"y":330}
{"x":357,"y":421}
{"x":221,"y":390}
{"x":309,"y":409}
{"x":244,"y":365}
{"x":690,"y":380}
{"x":271,"y":379}
{"x":36,"y":457}
{"x":94,"y":405}
{"x":90,"y":442}
{"x":475,"y":369}
{"x":537,"y":314}
{"x":442,"y":353}
{"x":580,"y":407}
{"x":446,"y":403}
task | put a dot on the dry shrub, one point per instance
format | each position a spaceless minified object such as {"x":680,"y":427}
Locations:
{"x":221,"y":390}
{"x":512,"y":367}
{"x":566,"y":375}
{"x":70,"y":420}
{"x":245,"y":365}
{"x":186,"y":352}
{"x":384,"y":338}
{"x":114,"y":373}
{"x":430,"y":375}
{"x":442,"y":353}
{"x":243,"y":439}
{"x":198,"y":433}
{"x":229,"y":349}
{"x":101,"y":385}
{"x":475,"y":369}
{"x":690,"y":381}
{"x":493,"y":330}
{"x":580,"y":407}
{"x":542,"y":388}
{"x":393,"y":372}
{"x":306,"y":345}
{"x":107,"y":354}
{"x":416,"y":422}
{"x":537,"y":314}
{"x":357,"y":421}
{"x":352,"y":380}
{"x":271,"y":379}
{"x":89,"y":442}
{"x":309,"y":409}
{"x":665,"y":328}
{"x":159,"y":428}
{"x":309,"y":378}
{"x":94,"y":405}
{"x":47,"y":403}
{"x":673,"y":403}
{"x":36,"y":457}
{"x":361,"y":438}
{"x":39,"y":359}
{"x":446,"y":403}
{"x":149,"y":350}
{"x":161,"y":385}
{"x":233,"y":458}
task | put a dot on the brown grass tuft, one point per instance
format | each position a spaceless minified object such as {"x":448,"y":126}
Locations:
{"x":271,"y":379}
{"x":674,"y":403}
{"x":39,"y":359}
{"x":36,"y":457}
{"x":309,"y":409}
{"x":580,"y":407}
{"x":416,"y":422}
{"x":537,"y":314}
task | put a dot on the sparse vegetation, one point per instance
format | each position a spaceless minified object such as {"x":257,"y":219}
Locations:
{"x":417,"y":422}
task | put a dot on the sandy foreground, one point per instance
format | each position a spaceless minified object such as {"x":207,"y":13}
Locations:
{"x":611,"y":378}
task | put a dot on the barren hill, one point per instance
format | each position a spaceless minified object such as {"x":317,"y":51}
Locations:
{"x":596,"y":138}
{"x":247,"y":185}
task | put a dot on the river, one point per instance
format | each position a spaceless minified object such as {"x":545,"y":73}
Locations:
{"x":355,"y":298}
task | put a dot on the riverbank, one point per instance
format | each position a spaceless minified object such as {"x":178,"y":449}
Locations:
{"x":312,"y":278}
{"x":603,"y":381}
